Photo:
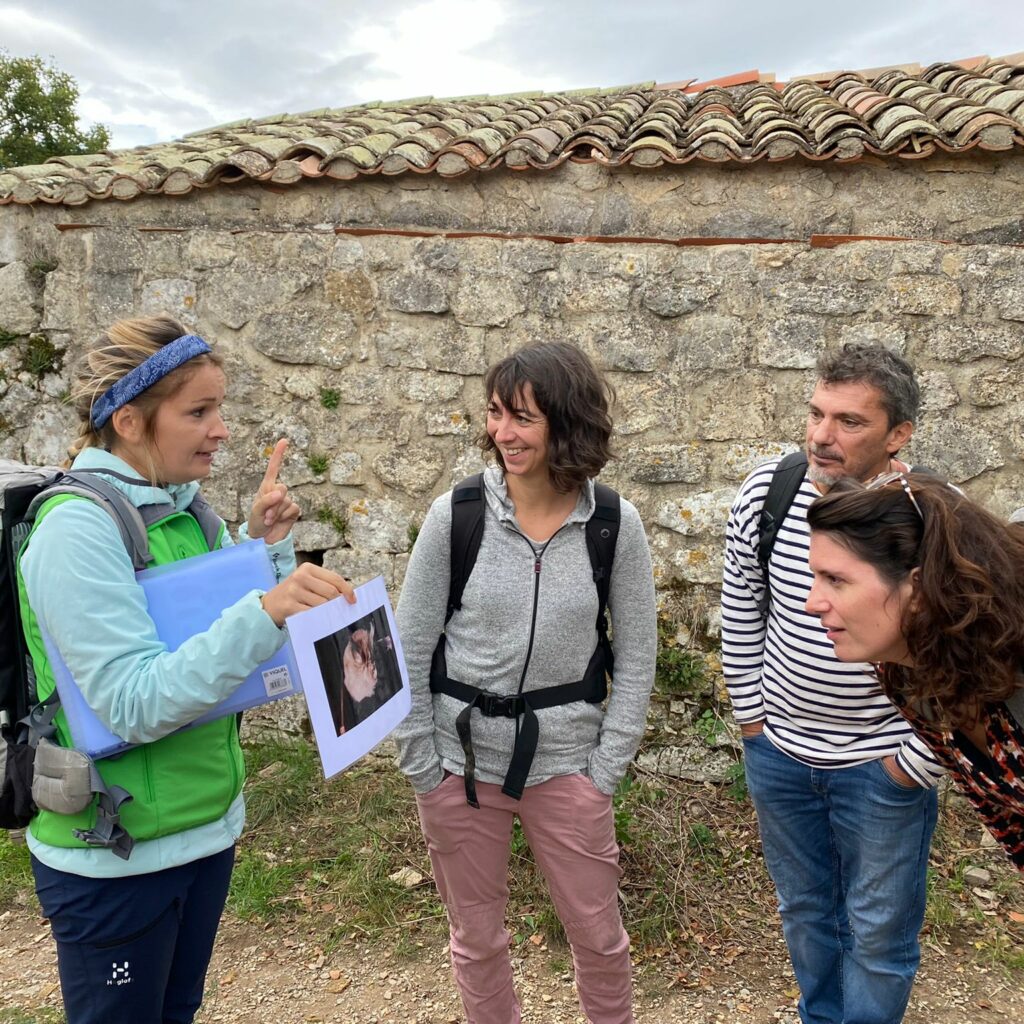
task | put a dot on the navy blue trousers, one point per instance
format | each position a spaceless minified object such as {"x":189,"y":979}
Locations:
{"x":135,"y":950}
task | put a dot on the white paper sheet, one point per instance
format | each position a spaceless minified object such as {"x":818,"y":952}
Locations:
{"x":353,"y":673}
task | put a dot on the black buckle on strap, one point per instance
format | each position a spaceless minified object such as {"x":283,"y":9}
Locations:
{"x":497,"y":705}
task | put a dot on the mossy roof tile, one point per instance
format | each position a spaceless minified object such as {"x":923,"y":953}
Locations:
{"x":901,"y":111}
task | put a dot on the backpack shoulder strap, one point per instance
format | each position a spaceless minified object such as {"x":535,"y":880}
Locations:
{"x":786,"y":480}
{"x":209,"y":522}
{"x":602,"y":532}
{"x":602,"y":535}
{"x":467,"y":530}
{"x":125,"y":515}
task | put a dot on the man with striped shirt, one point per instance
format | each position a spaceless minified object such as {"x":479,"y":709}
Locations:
{"x":843,"y":790}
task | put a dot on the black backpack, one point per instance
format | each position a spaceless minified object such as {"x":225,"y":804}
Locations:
{"x":23,"y":721}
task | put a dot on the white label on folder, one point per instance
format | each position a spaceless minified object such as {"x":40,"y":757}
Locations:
{"x":277,"y":680}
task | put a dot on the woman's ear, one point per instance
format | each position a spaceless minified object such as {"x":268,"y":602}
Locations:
{"x":127,"y":423}
{"x":915,"y":593}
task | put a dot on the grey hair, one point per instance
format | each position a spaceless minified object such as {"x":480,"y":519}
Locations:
{"x":892,"y":375}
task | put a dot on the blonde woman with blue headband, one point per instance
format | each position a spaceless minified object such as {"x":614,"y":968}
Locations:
{"x":134,"y":910}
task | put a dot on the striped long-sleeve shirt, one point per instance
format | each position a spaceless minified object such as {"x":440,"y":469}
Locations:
{"x":821,"y":711}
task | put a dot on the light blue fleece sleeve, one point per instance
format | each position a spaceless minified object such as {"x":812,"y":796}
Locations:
{"x":81,"y":586}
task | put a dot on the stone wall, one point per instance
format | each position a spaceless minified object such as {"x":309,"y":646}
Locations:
{"x":366,"y":347}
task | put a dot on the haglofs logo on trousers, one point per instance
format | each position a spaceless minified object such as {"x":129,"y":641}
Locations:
{"x":119,"y":974}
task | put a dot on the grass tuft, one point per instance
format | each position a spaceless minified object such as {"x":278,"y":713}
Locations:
{"x":318,"y":464}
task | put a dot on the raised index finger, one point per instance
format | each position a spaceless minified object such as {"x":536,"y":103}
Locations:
{"x":274,"y":466}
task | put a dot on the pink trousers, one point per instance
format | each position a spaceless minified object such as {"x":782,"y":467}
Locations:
{"x":571,"y":831}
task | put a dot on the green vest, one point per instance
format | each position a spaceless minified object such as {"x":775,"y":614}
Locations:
{"x":182,"y":781}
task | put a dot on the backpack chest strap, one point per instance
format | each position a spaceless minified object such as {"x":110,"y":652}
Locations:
{"x":522,"y":707}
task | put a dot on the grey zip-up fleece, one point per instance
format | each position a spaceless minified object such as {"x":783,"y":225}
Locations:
{"x":487,"y":642}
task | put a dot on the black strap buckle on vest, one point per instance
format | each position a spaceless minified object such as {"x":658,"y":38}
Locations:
{"x":592,"y":688}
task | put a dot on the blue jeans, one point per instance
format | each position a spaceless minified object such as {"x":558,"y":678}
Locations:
{"x":135,"y":950}
{"x":847,"y":849}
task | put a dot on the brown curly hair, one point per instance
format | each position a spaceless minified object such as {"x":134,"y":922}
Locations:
{"x":572,"y":395}
{"x":964,"y":625}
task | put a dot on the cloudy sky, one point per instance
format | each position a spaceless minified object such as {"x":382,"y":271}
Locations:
{"x":155,"y":71}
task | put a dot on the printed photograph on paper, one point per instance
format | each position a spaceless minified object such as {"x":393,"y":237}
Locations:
{"x":359,"y":669}
{"x":354,"y":679}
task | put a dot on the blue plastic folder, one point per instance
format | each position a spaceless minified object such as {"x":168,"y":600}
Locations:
{"x":186,"y":598}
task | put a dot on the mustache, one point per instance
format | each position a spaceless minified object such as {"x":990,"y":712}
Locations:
{"x":825,"y":453}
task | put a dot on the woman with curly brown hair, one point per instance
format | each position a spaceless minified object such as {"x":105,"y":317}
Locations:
{"x":915,"y":577}
{"x":509,"y":717}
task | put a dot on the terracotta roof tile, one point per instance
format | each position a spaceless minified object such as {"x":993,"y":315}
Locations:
{"x":898,"y":111}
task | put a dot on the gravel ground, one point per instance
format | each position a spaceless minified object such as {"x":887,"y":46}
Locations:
{"x":264,"y":974}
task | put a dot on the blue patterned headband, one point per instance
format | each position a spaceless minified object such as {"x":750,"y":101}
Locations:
{"x":145,"y":375}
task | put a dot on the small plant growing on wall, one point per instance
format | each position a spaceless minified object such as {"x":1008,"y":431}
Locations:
{"x":330,"y":398}
{"x":333,"y":517}
{"x":40,"y":356}
{"x":6,"y":338}
{"x":318,"y":464}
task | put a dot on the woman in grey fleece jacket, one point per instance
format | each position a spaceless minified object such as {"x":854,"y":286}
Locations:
{"x":527,"y":622}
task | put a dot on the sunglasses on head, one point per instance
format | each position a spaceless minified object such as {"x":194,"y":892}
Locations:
{"x":884,"y":479}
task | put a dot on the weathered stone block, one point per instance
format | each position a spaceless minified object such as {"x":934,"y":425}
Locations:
{"x":108,"y":297}
{"x":438,"y":344}
{"x":346,"y":469}
{"x":430,"y":387}
{"x":347,"y":252}
{"x":113,"y":250}
{"x":924,"y":295}
{"x":706,"y":341}
{"x":313,"y":535}
{"x":666,"y":463}
{"x":792,"y":342}
{"x":892,"y":336}
{"x":485,"y":300}
{"x":302,"y":384}
{"x":741,"y":459}
{"x":360,"y":566}
{"x":441,"y":422}
{"x":350,"y":290}
{"x":700,"y":564}
{"x":18,"y":301}
{"x":670,"y":296}
{"x":955,"y":447}
{"x":699,"y":515}
{"x":918,"y":258}
{"x":835,"y":296}
{"x":617,"y":341}
{"x":646,"y":402}
{"x":416,"y":292}
{"x":1008,"y":298}
{"x":410,"y":470}
{"x":44,"y":441}
{"x":306,"y":336}
{"x":438,"y":255}
{"x":594,"y":293}
{"x":234,"y":297}
{"x":378,"y":524}
{"x":11,"y":246}
{"x":968,"y":340}
{"x":209,"y":249}
{"x":379,"y":425}
{"x":996,"y":387}
{"x":733,"y":407}
{"x":175,"y":296}
{"x":938,"y":391}
{"x":530,"y":256}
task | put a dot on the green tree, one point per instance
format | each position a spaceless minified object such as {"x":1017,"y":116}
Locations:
{"x":37,"y":113}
